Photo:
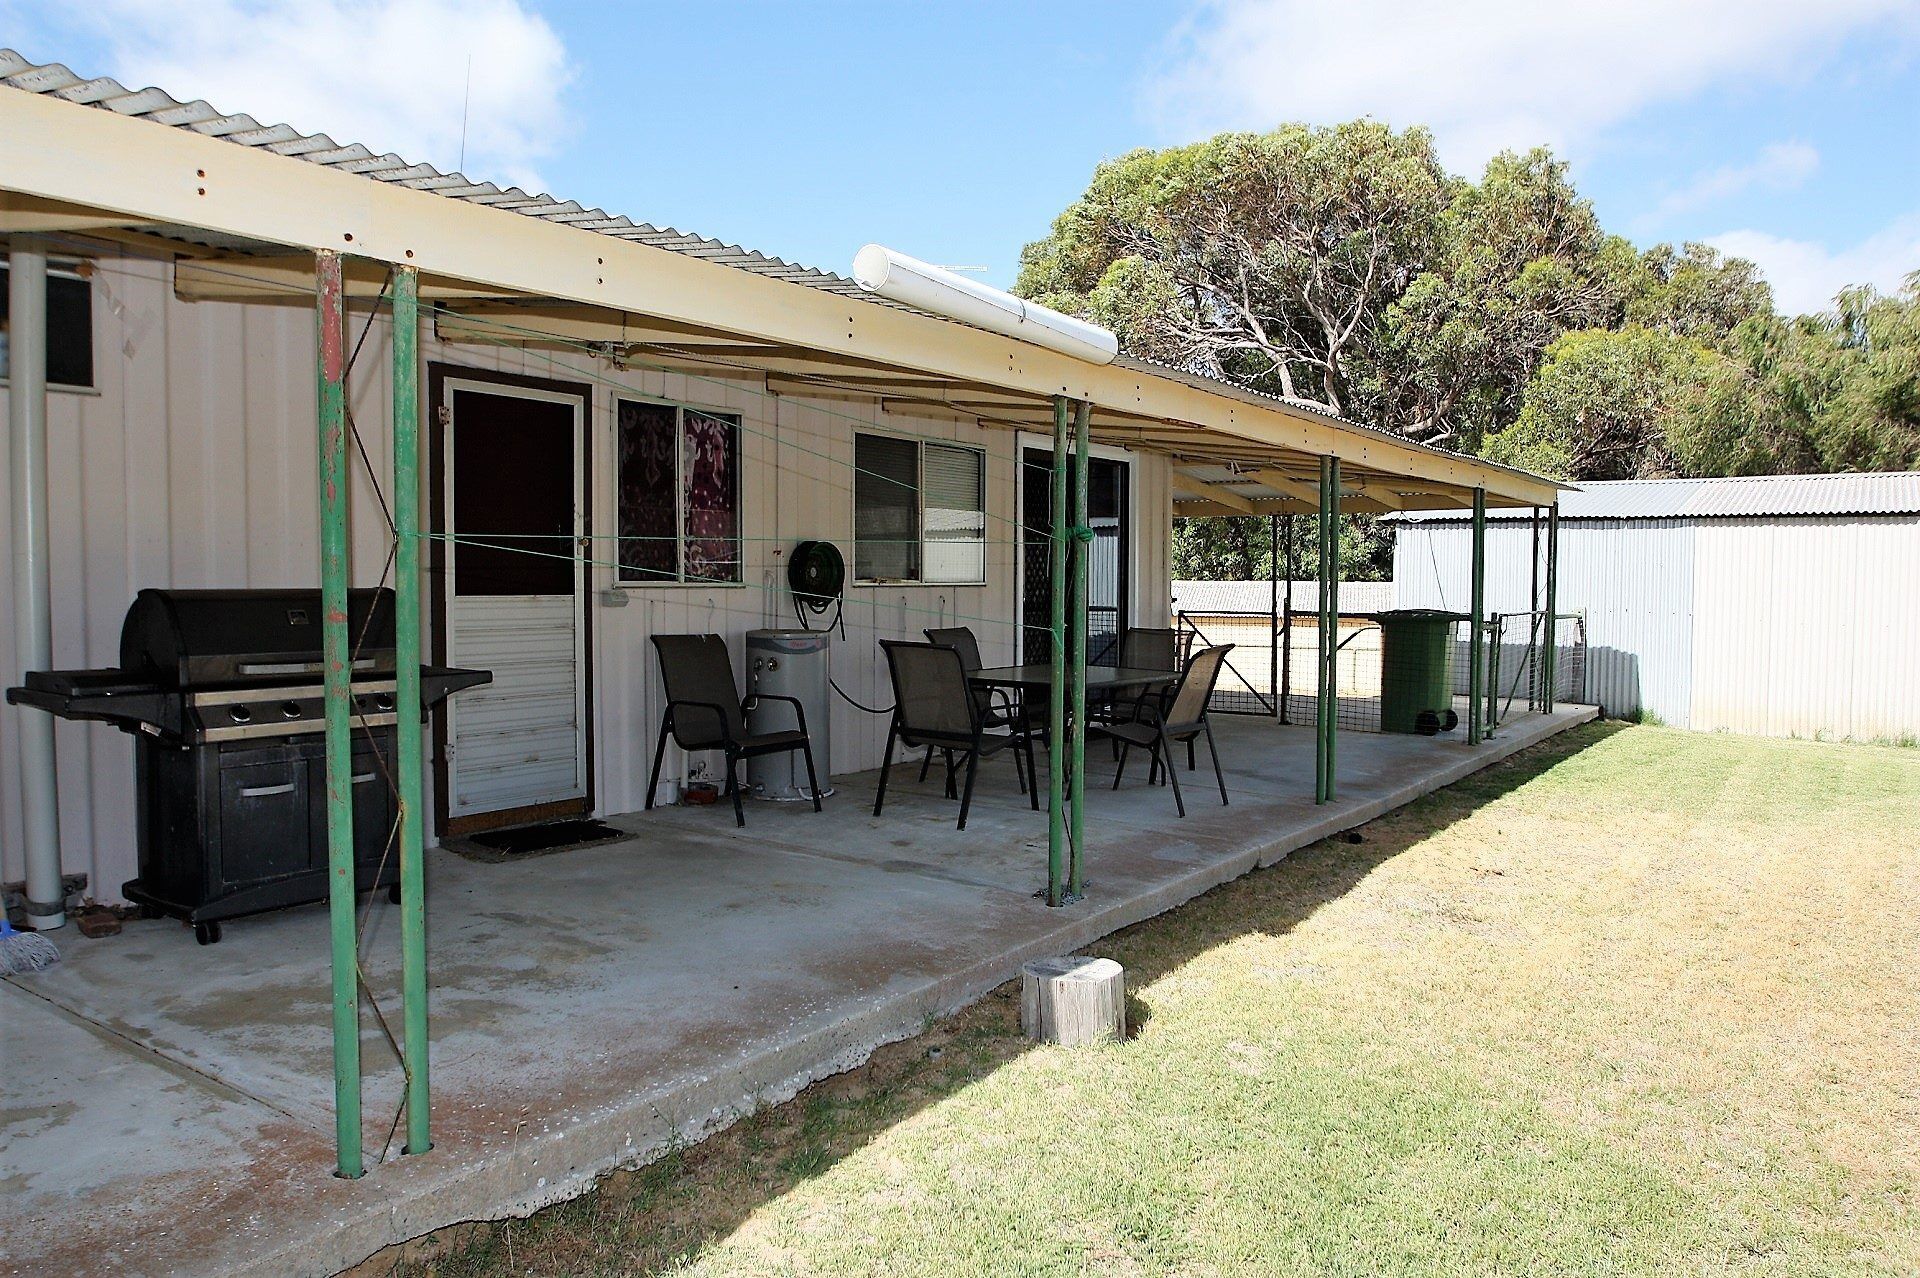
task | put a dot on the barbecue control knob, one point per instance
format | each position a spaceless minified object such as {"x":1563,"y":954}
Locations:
{"x":383,"y":701}
{"x":240,"y":714}
{"x":291,"y":709}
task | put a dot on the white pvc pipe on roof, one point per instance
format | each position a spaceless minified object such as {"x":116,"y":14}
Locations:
{"x":881,"y":270}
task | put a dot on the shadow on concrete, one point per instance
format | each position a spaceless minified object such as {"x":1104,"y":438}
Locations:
{"x":626,"y":1215}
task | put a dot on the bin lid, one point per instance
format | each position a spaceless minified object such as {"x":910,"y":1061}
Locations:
{"x":791,"y":639}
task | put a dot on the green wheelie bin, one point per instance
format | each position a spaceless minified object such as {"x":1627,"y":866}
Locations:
{"x":1416,"y":670}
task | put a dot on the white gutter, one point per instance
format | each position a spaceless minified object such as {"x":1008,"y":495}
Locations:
{"x":908,"y":280}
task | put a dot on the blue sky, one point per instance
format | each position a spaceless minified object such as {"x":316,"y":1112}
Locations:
{"x":1789,"y":132}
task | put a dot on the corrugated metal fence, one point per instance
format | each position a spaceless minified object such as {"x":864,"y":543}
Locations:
{"x":1778,"y":626}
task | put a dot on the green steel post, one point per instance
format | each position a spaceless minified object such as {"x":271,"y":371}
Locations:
{"x":1077,"y":709}
{"x":1286,"y":631}
{"x":1476,"y":626}
{"x":1320,"y":642}
{"x":1324,"y":707}
{"x":1549,"y":642}
{"x":406,"y":621}
{"x":1320,"y":646}
{"x":1057,"y":689}
{"x":337,"y":679}
{"x":1332,"y":592}
{"x":1273,"y":615}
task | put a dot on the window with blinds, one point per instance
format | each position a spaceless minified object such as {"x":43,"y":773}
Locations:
{"x":919,"y":511}
{"x":954,"y":488}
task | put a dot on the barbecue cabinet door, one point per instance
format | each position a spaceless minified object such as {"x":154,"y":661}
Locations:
{"x":266,"y":819}
{"x":514,"y":593}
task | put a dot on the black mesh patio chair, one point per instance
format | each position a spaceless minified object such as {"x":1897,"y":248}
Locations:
{"x":934,"y":707}
{"x":996,"y":707}
{"x":1150,"y":648}
{"x":1182,"y":718}
{"x":1143,"y":648}
{"x":706,"y":712}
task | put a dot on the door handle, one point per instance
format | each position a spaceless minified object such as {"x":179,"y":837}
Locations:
{"x":362,"y":777}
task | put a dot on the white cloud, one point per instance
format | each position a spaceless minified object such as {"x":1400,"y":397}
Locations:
{"x":1805,"y":275}
{"x":1488,"y":74}
{"x":391,"y":75}
{"x":1779,"y":167}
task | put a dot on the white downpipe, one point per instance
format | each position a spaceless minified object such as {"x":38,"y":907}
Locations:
{"x":32,"y":585}
{"x":879,"y":269}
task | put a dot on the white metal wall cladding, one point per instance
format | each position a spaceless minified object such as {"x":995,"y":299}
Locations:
{"x":193,"y":466}
{"x":1634,"y":581}
{"x":1810,"y":624}
{"x":1777,"y":626}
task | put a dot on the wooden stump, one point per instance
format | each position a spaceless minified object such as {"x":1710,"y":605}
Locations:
{"x":1073,"y":1000}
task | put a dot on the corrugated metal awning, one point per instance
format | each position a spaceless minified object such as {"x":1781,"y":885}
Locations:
{"x":1737,"y":497}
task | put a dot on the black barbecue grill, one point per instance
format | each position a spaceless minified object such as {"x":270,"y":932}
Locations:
{"x":222,"y":690}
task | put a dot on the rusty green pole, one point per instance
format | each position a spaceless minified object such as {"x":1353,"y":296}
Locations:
{"x":1327,"y":705}
{"x":338,"y":701}
{"x":1057,"y":687}
{"x":406,"y":700}
{"x":1476,"y":626}
{"x":1331,"y":589}
{"x":1077,"y":632}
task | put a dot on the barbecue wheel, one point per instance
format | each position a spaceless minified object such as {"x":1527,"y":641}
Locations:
{"x":207,"y":933}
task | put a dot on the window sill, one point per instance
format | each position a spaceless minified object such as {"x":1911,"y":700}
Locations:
{"x":680,"y":585}
{"x":57,"y":388}
{"x":918,"y":585}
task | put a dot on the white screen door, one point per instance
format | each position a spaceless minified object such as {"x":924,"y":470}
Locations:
{"x":515,"y":603}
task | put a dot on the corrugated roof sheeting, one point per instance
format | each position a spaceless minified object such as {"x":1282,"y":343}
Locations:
{"x":158,"y":106}
{"x":1738,"y":497}
{"x":1895,"y":493}
{"x":201,"y":117}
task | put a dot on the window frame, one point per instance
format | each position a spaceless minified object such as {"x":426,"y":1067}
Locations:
{"x":920,"y":443}
{"x":680,"y":580}
{"x":67,"y":269}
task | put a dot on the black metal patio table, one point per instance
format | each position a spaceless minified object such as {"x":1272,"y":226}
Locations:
{"x":1039,"y":677}
{"x":1032,"y":682}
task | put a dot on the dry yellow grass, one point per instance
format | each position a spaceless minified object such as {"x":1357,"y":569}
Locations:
{"x":1636,"y":1002}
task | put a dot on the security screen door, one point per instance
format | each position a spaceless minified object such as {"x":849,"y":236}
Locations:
{"x":514,"y":603}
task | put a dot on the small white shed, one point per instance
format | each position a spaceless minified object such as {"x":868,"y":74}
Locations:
{"x":1776,"y":605}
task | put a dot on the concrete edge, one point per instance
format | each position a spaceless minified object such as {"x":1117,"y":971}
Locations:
{"x":552,"y":1166}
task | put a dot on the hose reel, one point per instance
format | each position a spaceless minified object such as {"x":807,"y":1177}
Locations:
{"x":817,"y":576}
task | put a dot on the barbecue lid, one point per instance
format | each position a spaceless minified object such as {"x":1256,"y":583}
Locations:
{"x":193,"y":638}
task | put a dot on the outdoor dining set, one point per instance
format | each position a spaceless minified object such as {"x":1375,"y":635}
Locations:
{"x":949,"y":704}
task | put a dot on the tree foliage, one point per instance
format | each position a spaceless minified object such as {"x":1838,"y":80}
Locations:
{"x":1236,"y":548}
{"x":1836,"y":391}
{"x":1342,"y":266}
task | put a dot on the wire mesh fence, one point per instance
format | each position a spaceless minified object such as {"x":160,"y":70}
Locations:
{"x":1516,"y":670}
{"x":1407,"y":670}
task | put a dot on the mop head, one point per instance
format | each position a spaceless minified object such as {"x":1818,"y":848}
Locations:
{"x":24,"y":951}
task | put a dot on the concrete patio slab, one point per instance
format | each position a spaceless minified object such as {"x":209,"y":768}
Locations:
{"x":168,"y":1107}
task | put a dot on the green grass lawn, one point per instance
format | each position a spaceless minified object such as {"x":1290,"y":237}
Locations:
{"x":1638,"y":1001}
